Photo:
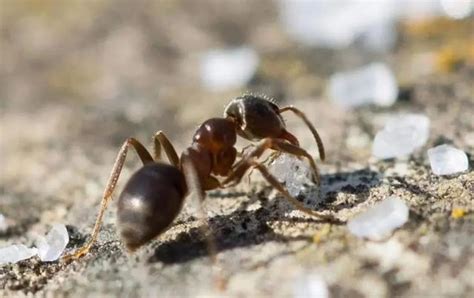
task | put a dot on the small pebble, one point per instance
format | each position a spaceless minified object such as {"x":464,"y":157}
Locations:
{"x":15,"y":253}
{"x":378,"y":222}
{"x":310,"y":285}
{"x":371,"y":84}
{"x":458,"y":9}
{"x":53,"y":245}
{"x":447,"y":160}
{"x":338,"y":24}
{"x":223,"y":69}
{"x":401,"y":136}
{"x":3,"y":223}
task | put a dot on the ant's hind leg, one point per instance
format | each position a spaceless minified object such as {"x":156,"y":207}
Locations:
{"x":109,"y":189}
{"x":161,"y":140}
{"x":313,"y":130}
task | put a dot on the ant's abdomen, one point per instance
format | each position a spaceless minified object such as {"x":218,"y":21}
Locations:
{"x":149,"y":203}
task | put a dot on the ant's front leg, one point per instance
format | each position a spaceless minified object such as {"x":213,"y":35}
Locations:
{"x":238,"y":172}
{"x":283,"y":146}
{"x":313,"y":130}
{"x":241,"y":153}
{"x":145,"y":157}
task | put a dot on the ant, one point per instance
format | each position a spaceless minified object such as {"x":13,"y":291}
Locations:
{"x":153,"y":196}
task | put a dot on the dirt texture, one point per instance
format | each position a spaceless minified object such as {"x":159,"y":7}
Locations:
{"x":78,"y":78}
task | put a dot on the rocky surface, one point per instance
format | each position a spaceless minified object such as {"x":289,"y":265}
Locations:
{"x":72,"y":94}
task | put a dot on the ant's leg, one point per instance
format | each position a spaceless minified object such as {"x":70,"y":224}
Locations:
{"x":282,"y":146}
{"x":159,"y":140}
{"x":299,"y":152}
{"x":241,"y":154}
{"x":109,"y":189}
{"x":271,"y":158}
{"x":194,"y":187}
{"x":240,"y":171}
{"x":267,"y":161}
{"x":313,"y":130}
{"x":242,"y":151}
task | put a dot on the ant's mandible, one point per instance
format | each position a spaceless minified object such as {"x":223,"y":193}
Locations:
{"x":153,"y":196}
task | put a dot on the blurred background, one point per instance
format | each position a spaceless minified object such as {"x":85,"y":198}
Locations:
{"x":92,"y":73}
{"x":78,"y":77}
{"x":148,"y":61}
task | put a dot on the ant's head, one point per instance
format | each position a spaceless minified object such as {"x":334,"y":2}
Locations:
{"x":256,"y":116}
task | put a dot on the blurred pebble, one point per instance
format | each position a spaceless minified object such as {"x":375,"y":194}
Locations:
{"x":379,"y":221}
{"x":223,"y":69}
{"x":371,"y":84}
{"x":337,"y":24}
{"x":447,"y":160}
{"x":15,"y":253}
{"x":401,"y":136}
{"x":310,"y":285}
{"x":457,"y":9}
{"x":3,"y":223}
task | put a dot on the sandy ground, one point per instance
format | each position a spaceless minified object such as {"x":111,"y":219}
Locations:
{"x":62,"y":125}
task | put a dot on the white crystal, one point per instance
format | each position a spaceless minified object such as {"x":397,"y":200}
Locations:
{"x":295,"y":173}
{"x":379,"y":221}
{"x":16,"y":253}
{"x":409,"y":9}
{"x":458,"y":9}
{"x":3,"y":223}
{"x":337,"y":24}
{"x":223,"y":69}
{"x":447,"y":160}
{"x":401,"y":136}
{"x":310,"y":286}
{"x":380,"y":38}
{"x":52,"y":246}
{"x":371,"y":84}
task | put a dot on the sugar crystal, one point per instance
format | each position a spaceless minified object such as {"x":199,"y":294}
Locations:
{"x":223,"y":69}
{"x":371,"y":84}
{"x":293,"y":172}
{"x":3,"y":223}
{"x":15,"y":253}
{"x":309,"y":286}
{"x":52,"y":246}
{"x":401,"y":136}
{"x":337,"y":24}
{"x":447,"y":160}
{"x":379,"y":221}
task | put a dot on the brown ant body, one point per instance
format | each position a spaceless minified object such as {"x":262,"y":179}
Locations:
{"x":154,"y":195}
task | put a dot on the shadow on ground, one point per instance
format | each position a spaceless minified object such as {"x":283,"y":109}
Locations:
{"x":243,"y":228}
